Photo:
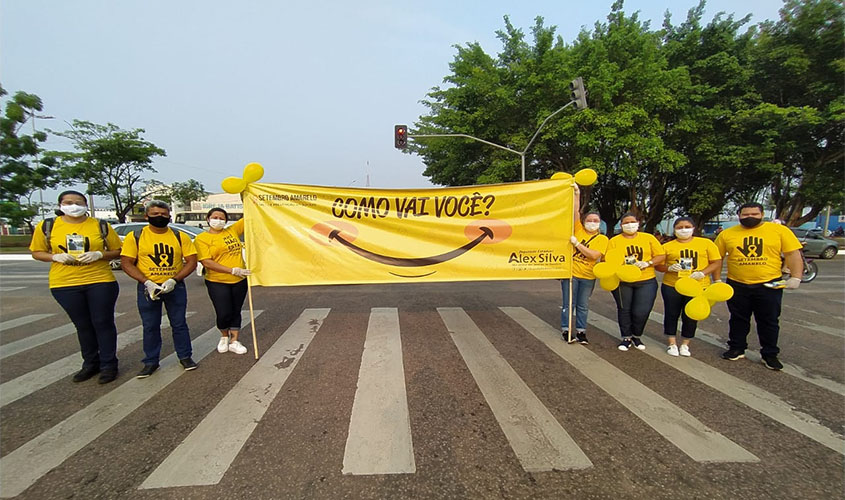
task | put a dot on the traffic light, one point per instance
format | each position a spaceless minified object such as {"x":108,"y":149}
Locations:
{"x":579,"y":94}
{"x":400,"y":136}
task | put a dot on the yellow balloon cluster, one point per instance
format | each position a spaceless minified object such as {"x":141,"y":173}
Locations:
{"x":584,"y":177}
{"x":612,"y":270}
{"x":252,"y":173}
{"x":702,"y":298}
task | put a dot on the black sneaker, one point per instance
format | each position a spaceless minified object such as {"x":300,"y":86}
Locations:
{"x":146,"y":371}
{"x":772,"y":363}
{"x":624,"y":345}
{"x":85,"y":373}
{"x":188,"y":364}
{"x":107,"y":376}
{"x":565,"y":334}
{"x":733,"y":354}
{"x":582,"y":338}
{"x":638,"y":343}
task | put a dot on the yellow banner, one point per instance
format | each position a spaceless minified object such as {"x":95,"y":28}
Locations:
{"x":310,"y":235}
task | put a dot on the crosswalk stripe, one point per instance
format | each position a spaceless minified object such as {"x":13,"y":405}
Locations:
{"x":11,"y":288}
{"x":206,"y":454}
{"x":36,"y":340}
{"x":21,"y":468}
{"x":40,"y":378}
{"x":701,"y":443}
{"x":536,"y":437}
{"x":750,"y":395}
{"x":788,"y":368}
{"x":23,"y":320}
{"x":379,"y":440}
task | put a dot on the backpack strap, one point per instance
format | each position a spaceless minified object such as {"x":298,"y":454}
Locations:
{"x":47,"y":229}
{"x":137,"y":234}
{"x":104,"y":232}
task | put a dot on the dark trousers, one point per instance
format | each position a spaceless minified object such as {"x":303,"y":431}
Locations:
{"x":91,"y":309}
{"x":673,"y":308}
{"x":176,"y":303}
{"x":633,"y":305}
{"x":227,"y":299}
{"x":765,"y":304}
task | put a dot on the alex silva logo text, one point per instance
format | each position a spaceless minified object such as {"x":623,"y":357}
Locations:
{"x":538,"y":258}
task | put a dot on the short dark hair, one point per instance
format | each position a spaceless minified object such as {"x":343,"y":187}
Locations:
{"x":750,"y":204}
{"x":591,"y":212}
{"x":71,"y":191}
{"x":217,"y":209}
{"x":684,"y":219}
{"x":629,"y":214}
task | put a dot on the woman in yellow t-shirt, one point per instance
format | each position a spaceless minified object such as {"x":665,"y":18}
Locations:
{"x":81,"y":280}
{"x":635,"y":300}
{"x":686,"y":256}
{"x":220,"y":251}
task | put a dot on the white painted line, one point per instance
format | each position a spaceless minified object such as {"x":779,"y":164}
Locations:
{"x":16,"y":256}
{"x":40,"y":378}
{"x":11,"y":288}
{"x":12,"y":276}
{"x":701,"y":443}
{"x":24,"y":466}
{"x":788,"y":368}
{"x":750,"y":395}
{"x":537,"y":438}
{"x":38,"y":339}
{"x":810,"y":311}
{"x":379,"y":440}
{"x":206,"y":454}
{"x":835,"y":332}
{"x":23,"y":320}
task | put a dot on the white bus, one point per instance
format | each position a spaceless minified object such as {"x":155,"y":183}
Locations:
{"x":196,"y":218}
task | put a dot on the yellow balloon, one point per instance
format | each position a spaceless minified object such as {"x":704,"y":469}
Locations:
{"x":629,"y":273}
{"x":719,"y":292}
{"x":604,"y":270}
{"x":610,"y":283}
{"x":233,"y":185}
{"x":688,"y":287}
{"x":586,"y":177}
{"x":615,"y":257}
{"x":561,"y":175}
{"x":698,"y":308}
{"x":253,"y":172}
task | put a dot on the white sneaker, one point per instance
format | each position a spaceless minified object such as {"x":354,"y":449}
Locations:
{"x":685,"y":350}
{"x":672,"y":350}
{"x":236,"y":347}
{"x":223,"y":345}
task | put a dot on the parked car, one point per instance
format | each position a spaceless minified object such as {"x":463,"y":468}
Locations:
{"x":123,"y":229}
{"x":815,"y":244}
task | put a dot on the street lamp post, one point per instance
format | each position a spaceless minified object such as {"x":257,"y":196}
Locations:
{"x":37,"y":161}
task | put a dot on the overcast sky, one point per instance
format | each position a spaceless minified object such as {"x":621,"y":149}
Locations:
{"x":309,"y":89}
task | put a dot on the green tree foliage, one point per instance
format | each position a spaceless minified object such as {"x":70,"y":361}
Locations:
{"x":188,"y":191}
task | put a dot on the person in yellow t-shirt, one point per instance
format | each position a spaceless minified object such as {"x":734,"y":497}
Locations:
{"x":155,"y":260}
{"x":753,"y":251}
{"x":635,"y":300}
{"x":82,"y":282}
{"x":686,"y":256}
{"x":589,"y":246}
{"x":220,"y":251}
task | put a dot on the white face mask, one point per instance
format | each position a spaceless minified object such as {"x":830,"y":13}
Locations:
{"x":683,"y":233}
{"x":73,"y":210}
{"x":217,"y":223}
{"x":631,"y":227}
{"x":592,"y":226}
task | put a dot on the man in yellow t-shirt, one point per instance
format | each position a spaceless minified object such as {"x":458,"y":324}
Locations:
{"x":753,"y":251}
{"x":155,"y":261}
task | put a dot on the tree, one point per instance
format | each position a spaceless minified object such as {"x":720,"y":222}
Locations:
{"x":188,"y":191}
{"x":21,"y":172}
{"x":111,"y":161}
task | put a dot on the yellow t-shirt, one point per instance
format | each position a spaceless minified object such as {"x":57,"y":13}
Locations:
{"x":754,"y":255}
{"x":159,"y":256}
{"x":643,"y":246}
{"x":701,"y":250}
{"x":62,"y":237}
{"x":582,"y":266}
{"x":223,"y":248}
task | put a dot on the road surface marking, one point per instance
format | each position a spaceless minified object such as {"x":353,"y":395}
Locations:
{"x":835,"y":332}
{"x":379,"y":440}
{"x":36,"y":340}
{"x":750,"y":395}
{"x":23,"y":320}
{"x":206,"y":454}
{"x":701,"y":443}
{"x":40,"y":378}
{"x":11,"y":288}
{"x":537,"y":438}
{"x":21,"y":468}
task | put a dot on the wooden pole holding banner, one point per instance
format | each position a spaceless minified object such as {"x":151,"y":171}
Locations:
{"x":252,"y":315}
{"x":571,"y":277}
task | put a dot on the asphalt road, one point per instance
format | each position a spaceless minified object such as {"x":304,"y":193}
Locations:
{"x":455,"y":390}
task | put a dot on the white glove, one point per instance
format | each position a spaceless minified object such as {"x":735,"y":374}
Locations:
{"x":237,"y":271}
{"x":793,"y":283}
{"x":696,"y":275}
{"x":573,"y":240}
{"x":674,"y":268}
{"x":63,"y":258}
{"x":642,"y":265}
{"x":89,"y":257}
{"x":168,"y":286}
{"x":152,"y":289}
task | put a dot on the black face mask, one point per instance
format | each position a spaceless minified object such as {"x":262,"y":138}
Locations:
{"x":750,"y":222}
{"x":159,"y":221}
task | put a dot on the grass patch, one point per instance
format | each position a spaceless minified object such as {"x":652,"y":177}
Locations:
{"x":15,"y":240}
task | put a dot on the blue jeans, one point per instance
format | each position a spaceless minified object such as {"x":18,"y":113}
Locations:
{"x":673,"y":308}
{"x":91,"y":309}
{"x":176,"y":303}
{"x":633,"y":305}
{"x":581,"y":291}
